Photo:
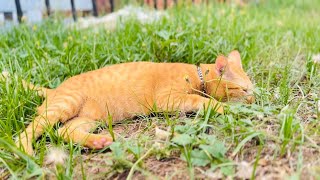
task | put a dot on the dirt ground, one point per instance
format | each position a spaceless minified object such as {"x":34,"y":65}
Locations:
{"x":98,"y":165}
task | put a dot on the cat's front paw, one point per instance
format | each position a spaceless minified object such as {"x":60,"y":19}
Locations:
{"x":220,"y":108}
{"x":25,"y":146}
{"x":98,"y":141}
{"x":217,"y":106}
{"x":214,"y":106}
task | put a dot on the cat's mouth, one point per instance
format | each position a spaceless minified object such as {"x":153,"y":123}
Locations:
{"x":246,"y":99}
{"x":245,"y":96}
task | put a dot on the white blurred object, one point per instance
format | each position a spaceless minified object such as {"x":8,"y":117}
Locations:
{"x":244,"y":170}
{"x":161,"y":134}
{"x":2,"y":18}
{"x":56,"y":156}
{"x":34,"y":16}
{"x":32,"y":10}
{"x":5,"y":74}
{"x":15,"y":18}
{"x":110,"y":20}
{"x":316,"y":58}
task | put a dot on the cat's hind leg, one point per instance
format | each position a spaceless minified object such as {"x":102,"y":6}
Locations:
{"x":77,"y":130}
{"x":60,"y":108}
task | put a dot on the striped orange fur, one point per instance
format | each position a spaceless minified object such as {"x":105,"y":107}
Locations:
{"x":129,"y":89}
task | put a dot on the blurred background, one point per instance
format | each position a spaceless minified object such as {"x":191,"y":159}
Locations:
{"x":14,"y":11}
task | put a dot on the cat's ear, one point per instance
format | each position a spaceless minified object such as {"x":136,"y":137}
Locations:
{"x":234,"y":57}
{"x":221,"y":64}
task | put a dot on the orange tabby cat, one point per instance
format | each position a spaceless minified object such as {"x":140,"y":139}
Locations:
{"x":129,"y":89}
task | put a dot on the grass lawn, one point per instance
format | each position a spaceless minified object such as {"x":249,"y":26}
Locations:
{"x":276,"y":137}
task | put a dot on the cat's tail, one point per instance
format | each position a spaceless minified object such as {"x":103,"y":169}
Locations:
{"x":42,"y":91}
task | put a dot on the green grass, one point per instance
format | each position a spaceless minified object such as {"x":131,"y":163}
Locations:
{"x":277,"y":134}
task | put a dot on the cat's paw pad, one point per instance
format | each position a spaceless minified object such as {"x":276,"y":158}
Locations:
{"x":100,"y":142}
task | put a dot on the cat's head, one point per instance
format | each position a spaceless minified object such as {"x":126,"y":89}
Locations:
{"x":231,"y":83}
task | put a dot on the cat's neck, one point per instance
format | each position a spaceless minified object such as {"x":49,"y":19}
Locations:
{"x":209,"y":74}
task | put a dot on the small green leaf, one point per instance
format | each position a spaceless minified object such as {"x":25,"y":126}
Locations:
{"x":217,"y":150}
{"x":227,"y":170}
{"x":199,"y":158}
{"x":183,"y":139}
{"x":136,"y":150}
{"x":185,"y":129}
{"x":117,"y":150}
{"x":246,"y":121}
{"x":163,"y":34}
{"x":209,"y":139}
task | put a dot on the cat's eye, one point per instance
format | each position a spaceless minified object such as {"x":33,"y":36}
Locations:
{"x":235,"y":88}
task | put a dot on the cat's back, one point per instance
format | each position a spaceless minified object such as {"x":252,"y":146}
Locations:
{"x":125,"y":75}
{"x":141,"y":67}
